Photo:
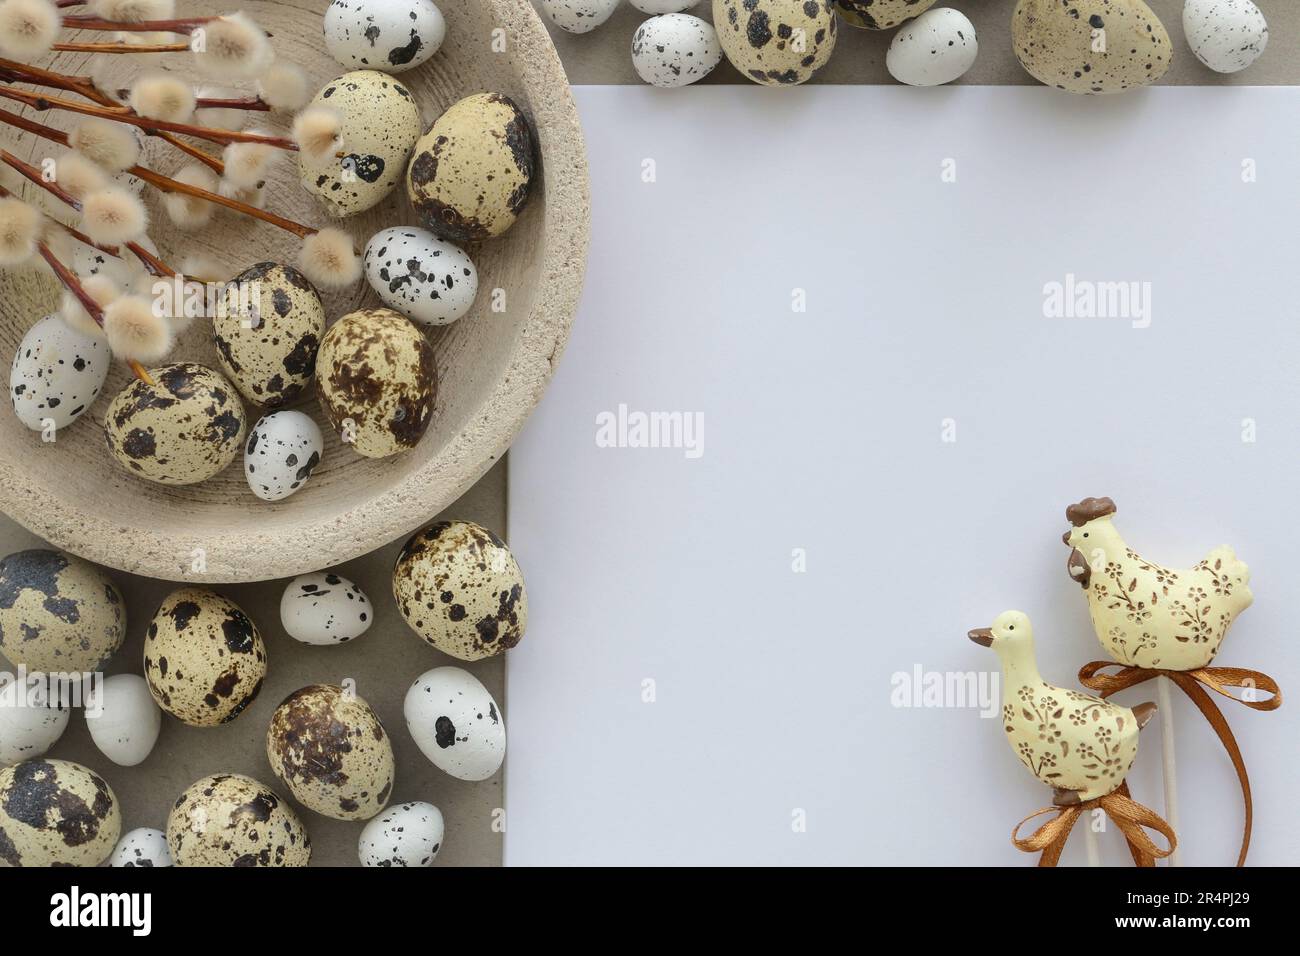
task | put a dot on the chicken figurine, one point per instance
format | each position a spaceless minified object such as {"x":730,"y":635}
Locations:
{"x":1146,"y":615}
{"x":1079,"y":745}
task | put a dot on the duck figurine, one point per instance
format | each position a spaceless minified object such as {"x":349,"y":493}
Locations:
{"x":1146,"y":615}
{"x":1079,"y":745}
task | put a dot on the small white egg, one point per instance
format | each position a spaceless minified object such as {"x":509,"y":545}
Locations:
{"x":420,"y":275}
{"x":675,"y":49}
{"x":283,"y":450}
{"x":1226,"y":35}
{"x":935,"y":48}
{"x":409,"y":834}
{"x":142,"y":847}
{"x":57,"y":374}
{"x":389,"y":35}
{"x":123,"y":719}
{"x":455,"y":723}
{"x":29,"y":729}
{"x":325,"y":608}
{"x":579,"y":16}
{"x":657,"y":7}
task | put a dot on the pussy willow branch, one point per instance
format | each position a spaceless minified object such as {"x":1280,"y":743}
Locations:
{"x":74,"y":47}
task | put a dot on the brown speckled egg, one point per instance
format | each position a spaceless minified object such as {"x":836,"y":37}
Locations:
{"x":331,"y":751}
{"x":1090,"y":46}
{"x":377,"y":381}
{"x":268,"y":335}
{"x":185,"y":428}
{"x":881,"y":14}
{"x":460,"y":588}
{"x":471,"y":173}
{"x":56,"y":813}
{"x":760,"y":37}
{"x":58,"y":613}
{"x":203,"y":657}
{"x":228,"y":819}
{"x":380,"y":126}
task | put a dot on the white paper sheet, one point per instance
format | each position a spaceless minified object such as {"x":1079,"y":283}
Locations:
{"x":684,"y":694}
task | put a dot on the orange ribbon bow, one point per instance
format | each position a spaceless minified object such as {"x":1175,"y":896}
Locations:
{"x":1129,"y":815}
{"x":1217,"y":679}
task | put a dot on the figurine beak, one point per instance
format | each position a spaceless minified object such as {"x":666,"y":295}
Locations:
{"x":982,"y":636}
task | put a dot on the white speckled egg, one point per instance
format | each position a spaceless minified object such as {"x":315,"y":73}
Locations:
{"x":228,"y":819}
{"x":57,"y":373}
{"x":419,"y":275}
{"x":203,"y":657}
{"x":185,"y":428}
{"x":283,"y":450}
{"x":29,"y":729}
{"x":123,"y":719}
{"x":389,"y":35}
{"x":324,"y":608}
{"x":377,"y":382}
{"x":579,"y":16}
{"x":409,"y":834}
{"x":142,"y":847}
{"x":56,"y":813}
{"x":381,"y":124}
{"x":657,"y":7}
{"x":331,"y":751}
{"x":776,"y":42}
{"x":1226,"y":35}
{"x":58,"y":613}
{"x":459,"y":588}
{"x":880,"y":14}
{"x":455,"y":723}
{"x":674,"y":49}
{"x":88,"y":261}
{"x":935,"y":48}
{"x":268,"y":334}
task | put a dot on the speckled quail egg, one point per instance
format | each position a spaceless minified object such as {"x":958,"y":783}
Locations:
{"x":86,"y":260}
{"x":1225,"y":35}
{"x":228,"y":819}
{"x":459,"y":588}
{"x":377,"y":382}
{"x":579,"y":16}
{"x":455,"y":723}
{"x":389,"y":35}
{"x":657,"y":7}
{"x":56,"y":813}
{"x":471,"y":173}
{"x":123,"y":719}
{"x":203,"y":657}
{"x":56,"y":374}
{"x":881,"y":14}
{"x":1090,"y":46}
{"x":380,"y":125}
{"x":419,"y":275}
{"x":409,"y":834}
{"x":268,"y":334}
{"x":283,"y":450}
{"x":935,"y":48}
{"x":674,"y":49}
{"x":325,"y":608}
{"x":332,"y":752}
{"x":58,"y":613}
{"x":776,"y":42}
{"x":142,"y":847}
{"x":28,"y":728}
{"x":185,"y":428}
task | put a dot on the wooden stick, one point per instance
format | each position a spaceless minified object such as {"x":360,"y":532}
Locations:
{"x":1164,"y":702}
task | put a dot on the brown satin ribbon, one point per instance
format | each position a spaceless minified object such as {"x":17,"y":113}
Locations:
{"x":1129,"y":815}
{"x":1217,"y":679}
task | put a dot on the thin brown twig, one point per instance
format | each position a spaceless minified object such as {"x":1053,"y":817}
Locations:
{"x":73,"y":47}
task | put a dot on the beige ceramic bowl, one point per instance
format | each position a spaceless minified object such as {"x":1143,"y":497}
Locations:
{"x":493,"y":366}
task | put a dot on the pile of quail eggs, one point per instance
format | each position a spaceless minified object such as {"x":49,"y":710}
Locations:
{"x":455,"y":584}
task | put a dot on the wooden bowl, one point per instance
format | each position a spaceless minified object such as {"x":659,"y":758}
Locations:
{"x":492,"y":365}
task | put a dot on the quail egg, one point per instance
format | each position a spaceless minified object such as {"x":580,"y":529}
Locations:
{"x":935,"y":48}
{"x":1225,"y":35}
{"x":228,"y":819}
{"x":377,"y":382}
{"x":579,"y":16}
{"x":58,"y":613}
{"x":283,"y":450}
{"x":409,"y":834}
{"x":776,"y":42}
{"x":29,"y":728}
{"x":881,"y":14}
{"x":268,"y":333}
{"x":56,"y":813}
{"x":203,"y":657}
{"x":472,"y":172}
{"x":184,"y":428}
{"x":657,"y":7}
{"x":459,"y":588}
{"x":142,"y":847}
{"x":57,"y":374}
{"x":324,"y":608}
{"x":419,"y":275}
{"x":389,"y":35}
{"x":1059,"y":44}
{"x":674,"y":49}
{"x":455,"y":723}
{"x":123,"y":719}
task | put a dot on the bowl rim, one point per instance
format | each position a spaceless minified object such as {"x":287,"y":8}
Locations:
{"x":318,"y":543}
